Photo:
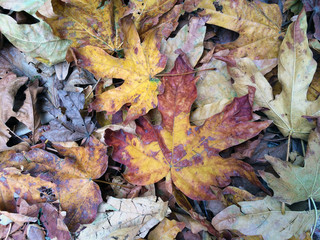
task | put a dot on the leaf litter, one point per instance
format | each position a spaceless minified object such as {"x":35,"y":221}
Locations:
{"x":156,"y":119}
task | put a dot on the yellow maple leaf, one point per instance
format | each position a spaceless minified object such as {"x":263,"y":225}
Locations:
{"x":138,"y":69}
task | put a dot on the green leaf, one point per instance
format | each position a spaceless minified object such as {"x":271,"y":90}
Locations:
{"x":36,"y":40}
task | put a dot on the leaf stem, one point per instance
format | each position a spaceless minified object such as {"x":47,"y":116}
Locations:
{"x":316,"y":216}
{"x":181,"y":74}
{"x":110,"y":183}
{"x":283,"y":211}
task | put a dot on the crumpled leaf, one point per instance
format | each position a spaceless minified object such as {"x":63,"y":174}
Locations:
{"x":189,"y":39}
{"x":51,"y":219}
{"x":67,"y":178}
{"x":78,"y":77}
{"x":295,"y":71}
{"x":313,"y":6}
{"x":70,"y":126}
{"x":30,"y":6}
{"x":297,"y":183}
{"x":9,"y":86}
{"x":186,"y":154}
{"x":88,"y":23}
{"x":264,"y":217}
{"x":36,"y":40}
{"x":166,"y":230}
{"x":128,"y":218}
{"x":258,"y":23}
{"x":138,"y":69}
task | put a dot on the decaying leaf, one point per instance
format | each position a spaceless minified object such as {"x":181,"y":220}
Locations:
{"x":214,"y":91}
{"x":88,"y":23}
{"x":70,"y":126}
{"x":166,"y":230}
{"x":296,"y":68}
{"x":128,"y":218}
{"x":258,"y":25}
{"x":138,"y":69}
{"x":67,"y":178}
{"x":27,"y":216}
{"x":186,"y":154}
{"x":30,"y":6}
{"x":36,"y":40}
{"x":189,"y":39}
{"x":297,"y":183}
{"x":264,"y":217}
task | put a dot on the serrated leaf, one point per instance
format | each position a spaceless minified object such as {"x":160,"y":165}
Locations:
{"x":36,"y":40}
{"x":264,"y":217}
{"x":295,"y":71}
{"x":138,"y":69}
{"x":186,"y":154}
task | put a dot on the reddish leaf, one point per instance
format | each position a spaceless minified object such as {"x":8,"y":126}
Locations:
{"x":187,"y":154}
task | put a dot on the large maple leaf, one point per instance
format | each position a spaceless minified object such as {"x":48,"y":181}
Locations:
{"x":68,"y":178}
{"x":188,"y":155}
{"x":295,"y":71}
{"x":258,"y":23}
{"x":138,"y":69}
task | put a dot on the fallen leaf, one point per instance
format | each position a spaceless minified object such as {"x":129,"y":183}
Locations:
{"x":313,"y":6}
{"x":91,"y":22}
{"x":190,"y":223}
{"x":264,"y":217}
{"x":214,"y":91}
{"x":36,"y":40}
{"x":126,"y":217}
{"x":166,"y":230}
{"x":28,"y":215}
{"x":138,"y":69}
{"x":30,"y":6}
{"x":9,"y":86}
{"x":146,"y":14}
{"x":246,"y":18}
{"x":296,"y":68}
{"x":296,"y":183}
{"x":295,"y":6}
{"x":189,"y":39}
{"x":186,"y":154}
{"x":76,"y":78}
{"x":68,"y":177}
{"x":70,"y":126}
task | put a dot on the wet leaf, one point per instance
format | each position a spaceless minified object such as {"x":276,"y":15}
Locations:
{"x":36,"y":40}
{"x":246,"y":18}
{"x":138,"y":69}
{"x":264,"y":217}
{"x":186,"y":154}
{"x":295,"y":71}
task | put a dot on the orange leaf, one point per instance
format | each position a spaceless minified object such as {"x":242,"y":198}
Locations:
{"x":166,"y":230}
{"x":138,"y":69}
{"x":187,"y":154}
{"x":70,"y":175}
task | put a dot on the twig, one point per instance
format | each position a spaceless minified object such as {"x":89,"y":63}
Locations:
{"x":181,"y":74}
{"x":94,"y":87}
{"x":316,"y":216}
{"x":8,"y":233}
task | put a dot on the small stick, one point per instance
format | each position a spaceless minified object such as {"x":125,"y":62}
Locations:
{"x":181,"y":74}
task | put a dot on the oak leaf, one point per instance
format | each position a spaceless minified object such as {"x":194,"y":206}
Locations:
{"x":187,"y":154}
{"x":88,"y":23}
{"x":295,"y":70}
{"x":297,"y":183}
{"x":264,"y":217}
{"x":258,"y":25}
{"x":138,"y":69}
{"x":68,"y":177}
